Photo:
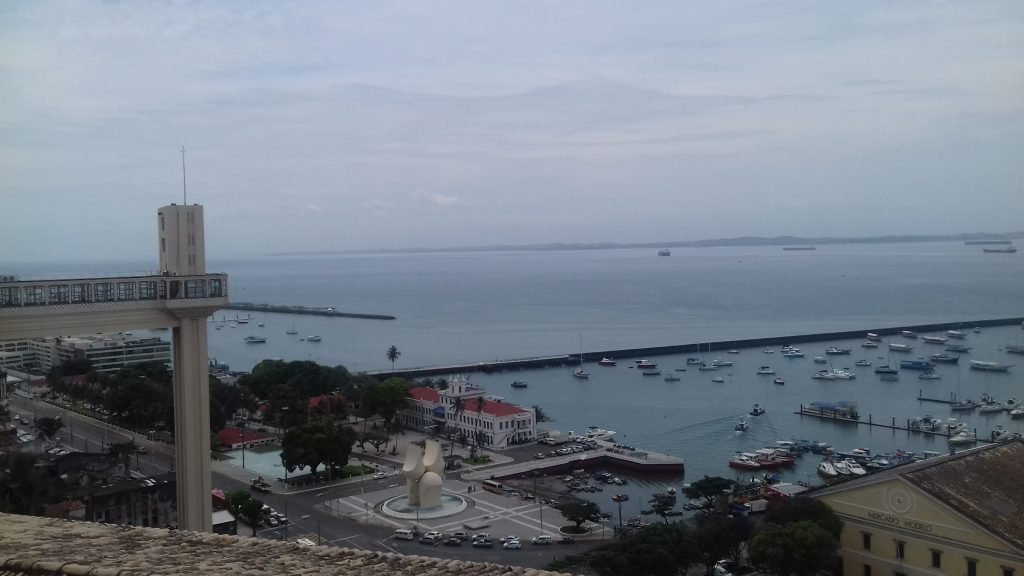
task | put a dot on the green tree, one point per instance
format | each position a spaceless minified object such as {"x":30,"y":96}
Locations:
{"x":123,"y":452}
{"x":251,"y":511}
{"x":313,"y":444}
{"x":709,"y":490}
{"x":713,"y":537}
{"x":579,"y":511}
{"x":658,"y":550}
{"x":393,"y":355}
{"x":797,"y":549}
{"x":24,"y":487}
{"x":389,"y":398}
{"x":540,"y":414}
{"x":800,"y":508}
{"x":48,"y":426}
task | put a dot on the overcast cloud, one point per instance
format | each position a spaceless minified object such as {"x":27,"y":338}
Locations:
{"x":337,"y":126}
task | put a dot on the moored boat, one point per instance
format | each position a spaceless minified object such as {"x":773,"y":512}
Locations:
{"x":837,"y":350}
{"x":255,"y":340}
{"x":963,"y":405}
{"x":519,"y":384}
{"x":929,"y":375}
{"x":313,"y":339}
{"x":650,"y":372}
{"x":900,"y":347}
{"x":606,"y":362}
{"x":962,"y":438}
{"x":956,"y":334}
{"x":765,"y":370}
{"x":778,"y":381}
{"x":958,"y":348}
{"x":580,"y":373}
{"x":841,"y":467}
{"x":692,"y":360}
{"x":990,"y":366}
{"x":820,"y":360}
{"x":1015,"y":349}
{"x":862,"y":363}
{"x":916,"y":364}
{"x":944,"y":358}
{"x":869,"y":344}
{"x":908,"y":333}
{"x":855,"y":467}
{"x":793,"y":354}
{"x":933,"y":339}
{"x":672,"y":378}
{"x":889,"y":377}
{"x":841,"y":410}
{"x":743,"y":462}
{"x":873,"y":336}
{"x":886,"y":370}
{"x":825,"y":468}
{"x":718,"y":379}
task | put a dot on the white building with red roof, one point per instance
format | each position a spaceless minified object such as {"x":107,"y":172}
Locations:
{"x":465,"y":407}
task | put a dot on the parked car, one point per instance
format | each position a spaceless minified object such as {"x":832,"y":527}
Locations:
{"x":433,"y":534}
{"x":481,"y":536}
{"x":512,"y":545}
{"x":483,"y":543}
{"x":425,"y":539}
{"x":460,"y":535}
{"x":509,"y":538}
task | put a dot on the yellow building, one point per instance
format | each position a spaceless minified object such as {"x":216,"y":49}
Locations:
{"x":961,"y":515}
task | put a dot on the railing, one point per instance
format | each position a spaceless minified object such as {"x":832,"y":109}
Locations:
{"x":111,"y":289}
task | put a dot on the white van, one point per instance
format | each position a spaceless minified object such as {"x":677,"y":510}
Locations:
{"x":404,"y":534}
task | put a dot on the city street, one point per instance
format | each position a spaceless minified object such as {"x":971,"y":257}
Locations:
{"x":307,"y":509}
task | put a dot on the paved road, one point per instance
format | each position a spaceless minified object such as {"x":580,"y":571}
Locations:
{"x":306,"y":510}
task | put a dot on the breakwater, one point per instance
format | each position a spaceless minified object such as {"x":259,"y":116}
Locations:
{"x":695,"y":348}
{"x":304,"y":310}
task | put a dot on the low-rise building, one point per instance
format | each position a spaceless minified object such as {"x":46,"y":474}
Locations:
{"x":148,"y":502}
{"x":957,"y":514}
{"x":465,"y":408}
{"x":235,"y":438}
{"x":107,"y":352}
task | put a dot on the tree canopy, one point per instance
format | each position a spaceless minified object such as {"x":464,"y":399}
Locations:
{"x":315,"y":443}
{"x":800,"y":508}
{"x":48,"y":426}
{"x":287,"y":386}
{"x":579,"y":511}
{"x":796,"y":549}
{"x":657,"y":550}
{"x":708,"y":489}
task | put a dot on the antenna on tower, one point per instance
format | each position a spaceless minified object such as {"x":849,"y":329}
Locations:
{"x":184,"y":192}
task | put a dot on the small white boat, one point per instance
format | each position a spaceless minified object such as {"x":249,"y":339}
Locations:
{"x":742,"y":425}
{"x":824,"y":375}
{"x":313,"y":339}
{"x":929,"y":375}
{"x":732,"y":351}
{"x":718,"y":379}
{"x":721,"y":363}
{"x":255,"y":340}
{"x":869,"y":344}
{"x":606,"y":362}
{"x":956,"y":334}
{"x":841,"y":467}
{"x":962,"y":438}
{"x":827,"y":469}
{"x":778,"y":381}
{"x":855,"y":468}
{"x":793,"y":354}
{"x":999,"y":433}
{"x":862,"y":363}
{"x":765,"y":370}
{"x":873,"y":336}
{"x":580,"y":373}
{"x":757,"y":410}
{"x":900,"y":347}
{"x":990,"y":366}
{"x":646,"y":365}
{"x":908,"y":333}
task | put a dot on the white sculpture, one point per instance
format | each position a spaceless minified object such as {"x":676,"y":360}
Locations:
{"x":422,"y":473}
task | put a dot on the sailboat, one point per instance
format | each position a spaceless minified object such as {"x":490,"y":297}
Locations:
{"x":580,"y":372}
{"x":293,"y":331}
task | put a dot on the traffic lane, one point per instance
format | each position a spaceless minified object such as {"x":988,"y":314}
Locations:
{"x":529,"y":556}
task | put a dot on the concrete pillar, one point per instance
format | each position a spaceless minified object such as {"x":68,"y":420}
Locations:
{"x":192,"y":424}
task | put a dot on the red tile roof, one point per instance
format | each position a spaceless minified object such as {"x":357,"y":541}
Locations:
{"x":490,"y":406}
{"x":425,"y":394}
{"x":231,"y":436}
{"x":315,"y":401}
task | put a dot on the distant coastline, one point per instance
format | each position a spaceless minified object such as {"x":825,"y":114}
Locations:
{"x":971,"y":238}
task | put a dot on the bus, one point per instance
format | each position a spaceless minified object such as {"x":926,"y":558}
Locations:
{"x":492,"y":486}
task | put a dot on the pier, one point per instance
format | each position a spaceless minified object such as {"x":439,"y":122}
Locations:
{"x":892,"y":425}
{"x":704,"y":347}
{"x":952,"y":398}
{"x":608,"y":454}
{"x":304,"y":311}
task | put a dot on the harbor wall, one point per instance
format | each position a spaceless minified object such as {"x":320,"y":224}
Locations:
{"x":705,"y":347}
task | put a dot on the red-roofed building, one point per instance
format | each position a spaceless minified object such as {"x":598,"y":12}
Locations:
{"x":500,"y":423}
{"x":232,"y":438}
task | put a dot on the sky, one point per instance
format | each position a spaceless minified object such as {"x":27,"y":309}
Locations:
{"x":323,"y":126}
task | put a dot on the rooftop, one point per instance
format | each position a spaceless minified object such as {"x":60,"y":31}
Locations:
{"x":983,"y":484}
{"x":44,"y":546}
{"x":490,"y":406}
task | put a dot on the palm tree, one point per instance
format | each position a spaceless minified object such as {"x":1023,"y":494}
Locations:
{"x":458,"y":407}
{"x":393,"y":355}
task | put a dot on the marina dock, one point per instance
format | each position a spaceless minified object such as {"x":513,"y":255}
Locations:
{"x":706,"y":348}
{"x":892,"y":425}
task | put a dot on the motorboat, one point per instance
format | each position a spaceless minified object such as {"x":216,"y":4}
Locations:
{"x":989,"y":404}
{"x":908,"y":333}
{"x":956,"y":334}
{"x":951,"y":426}
{"x":771,"y":458}
{"x":255,"y":340}
{"x":646,"y":365}
{"x":836,"y":374}
{"x":519,"y":384}
{"x":990,"y":366}
{"x":778,"y":381}
{"x":1017,"y":413}
{"x":825,"y":468}
{"x":855,"y":468}
{"x":900,"y":347}
{"x":886,"y":370}
{"x":929,"y":375}
{"x":705,"y":367}
{"x":862,"y":363}
{"x":962,"y":438}
{"x":1012,"y":403}
{"x":793,"y":354}
{"x":732,"y":351}
{"x":672,"y":378}
{"x":595,"y":433}
{"x":933,"y":339}
{"x":837,"y":350}
{"x":606,"y":362}
{"x":916,"y":364}
{"x":926,"y":423}
{"x":869,"y":344}
{"x":765,"y":370}
{"x":742,"y":425}
{"x":1015,"y":349}
{"x":873,"y":336}
{"x":744,"y":462}
{"x":757,"y":410}
{"x":721,"y":363}
{"x":692,"y":361}
{"x":664,"y":252}
{"x":958,"y":348}
{"x":820,"y":360}
{"x":824,"y":375}
{"x":966,"y":404}
{"x":313,"y":339}
{"x":999,"y":433}
{"x":944,"y":358}
{"x":841,"y":467}
{"x":718,"y":379}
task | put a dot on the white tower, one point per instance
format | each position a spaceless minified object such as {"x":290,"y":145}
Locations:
{"x":182,"y":251}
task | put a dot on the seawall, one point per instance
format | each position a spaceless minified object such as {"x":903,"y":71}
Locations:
{"x":303,"y":310}
{"x":705,"y":347}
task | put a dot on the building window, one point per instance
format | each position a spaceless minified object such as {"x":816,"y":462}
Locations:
{"x":867,"y":570}
{"x":34,"y":296}
{"x":104,"y":291}
{"x":216,"y":288}
{"x":1007,"y":571}
{"x":163,"y":244}
{"x":9,"y":297}
{"x":195,"y":288}
{"x":80,"y":293}
{"x":865,"y":538}
{"x":147,"y":290}
{"x":59,"y":294}
{"x":972,"y":567}
{"x":901,"y":549}
{"x":936,"y":559}
{"x":126,"y":290}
